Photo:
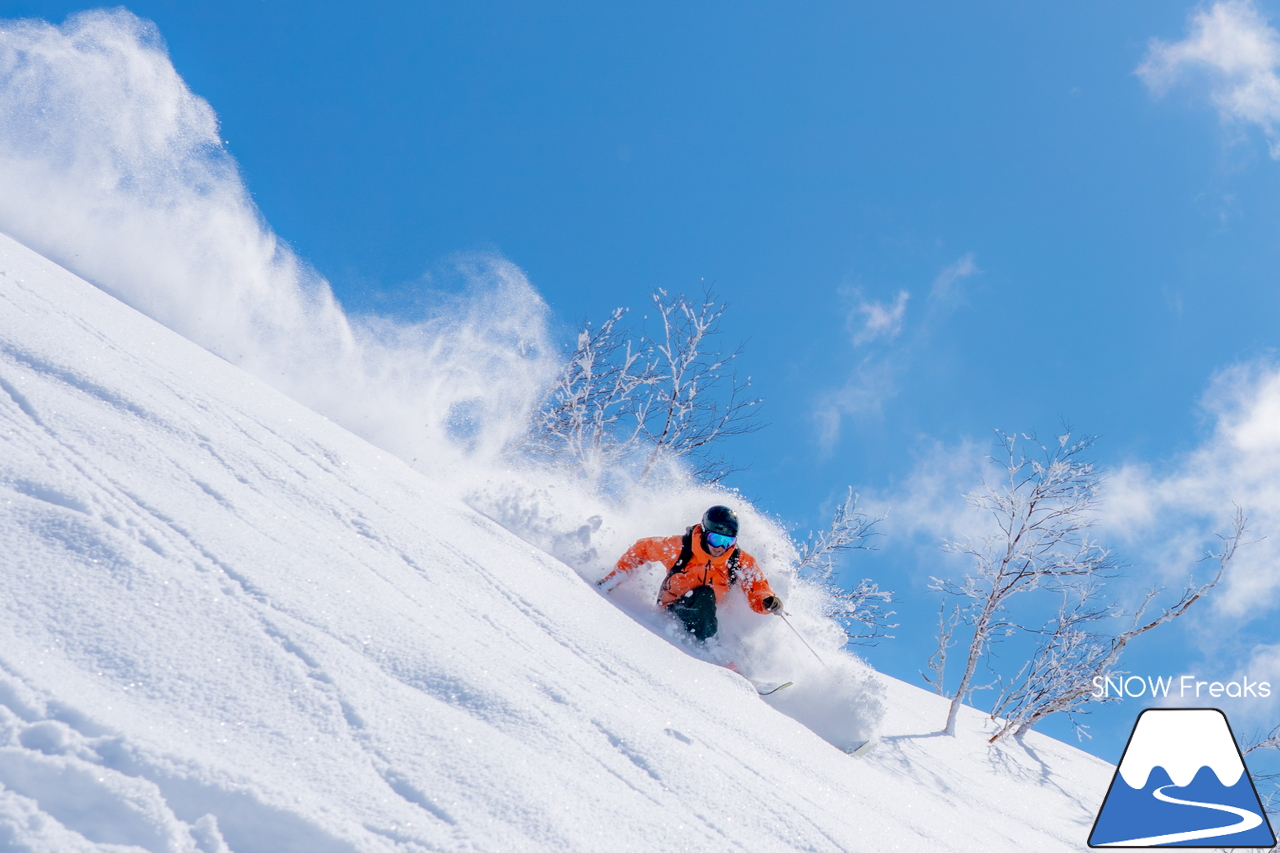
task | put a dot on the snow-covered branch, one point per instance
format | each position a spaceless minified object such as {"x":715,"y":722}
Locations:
{"x":947,"y":624}
{"x":636,"y":402}
{"x":692,"y":398}
{"x":1041,"y":513}
{"x":863,"y":609}
{"x":587,"y":415}
{"x":1041,"y":510}
{"x":1061,"y":676}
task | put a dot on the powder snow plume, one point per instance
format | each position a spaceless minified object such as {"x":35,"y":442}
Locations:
{"x":112,"y":167}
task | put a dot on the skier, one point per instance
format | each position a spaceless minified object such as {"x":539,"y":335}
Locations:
{"x":701,"y":566}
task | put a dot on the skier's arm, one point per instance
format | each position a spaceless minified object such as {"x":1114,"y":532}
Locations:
{"x":759,"y":594}
{"x":656,"y":549}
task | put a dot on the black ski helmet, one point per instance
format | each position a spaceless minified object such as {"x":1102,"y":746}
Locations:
{"x":720,"y":519}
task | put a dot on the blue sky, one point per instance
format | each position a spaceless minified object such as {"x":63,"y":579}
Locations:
{"x":1074,"y":240}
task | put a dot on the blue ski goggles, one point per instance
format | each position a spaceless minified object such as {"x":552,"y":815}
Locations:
{"x":719,"y":540}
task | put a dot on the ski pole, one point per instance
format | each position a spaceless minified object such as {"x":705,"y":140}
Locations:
{"x":801,"y":639}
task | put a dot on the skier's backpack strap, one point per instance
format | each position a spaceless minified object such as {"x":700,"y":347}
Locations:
{"x":733,"y":566}
{"x":686,"y":553}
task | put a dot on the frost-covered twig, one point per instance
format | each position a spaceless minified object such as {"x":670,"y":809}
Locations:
{"x":625,"y":402}
{"x":938,"y":660}
{"x":588,"y":414}
{"x":1042,"y":511}
{"x":851,"y":530}
{"x":862,"y":609}
{"x":1062,"y":675}
{"x":684,"y":409}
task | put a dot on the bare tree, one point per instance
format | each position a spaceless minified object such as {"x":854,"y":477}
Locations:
{"x":588,"y":413}
{"x":1042,"y":511}
{"x":1061,"y":676}
{"x":864,"y":605}
{"x":692,"y":399}
{"x":637,"y":402}
{"x":947,"y":624}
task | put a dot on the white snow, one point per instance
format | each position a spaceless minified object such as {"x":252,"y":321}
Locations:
{"x":228,"y":624}
{"x":1181,"y":741}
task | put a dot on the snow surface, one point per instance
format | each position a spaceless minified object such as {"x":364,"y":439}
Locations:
{"x":228,"y":624}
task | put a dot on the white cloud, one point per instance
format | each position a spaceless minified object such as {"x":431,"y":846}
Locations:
{"x":882,"y":319}
{"x":873,"y":379}
{"x":1239,"y":51}
{"x":1161,"y":518}
{"x":864,"y":392}
{"x":961,"y":269}
{"x":1168,"y":518}
{"x":929,"y":505}
{"x":1164,"y":517}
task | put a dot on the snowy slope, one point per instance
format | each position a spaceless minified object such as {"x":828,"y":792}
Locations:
{"x":228,"y":624}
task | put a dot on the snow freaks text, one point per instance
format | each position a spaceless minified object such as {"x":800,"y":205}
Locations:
{"x":1184,"y":687}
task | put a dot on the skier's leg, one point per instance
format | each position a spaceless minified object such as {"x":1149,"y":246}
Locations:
{"x":696,"y":609}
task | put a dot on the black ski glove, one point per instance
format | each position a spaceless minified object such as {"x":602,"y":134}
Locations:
{"x":772,"y":603}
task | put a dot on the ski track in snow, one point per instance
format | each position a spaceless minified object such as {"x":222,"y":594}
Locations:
{"x":229,"y":626}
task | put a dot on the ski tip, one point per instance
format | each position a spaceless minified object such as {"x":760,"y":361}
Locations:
{"x":863,"y":748}
{"x":769,"y":691}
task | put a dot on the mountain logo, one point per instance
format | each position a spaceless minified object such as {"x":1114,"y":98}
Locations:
{"x":1181,"y":783}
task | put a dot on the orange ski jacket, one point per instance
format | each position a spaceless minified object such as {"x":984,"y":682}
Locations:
{"x":701,"y":570}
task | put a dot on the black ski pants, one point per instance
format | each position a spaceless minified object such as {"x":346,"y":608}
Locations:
{"x":697,"y":610}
